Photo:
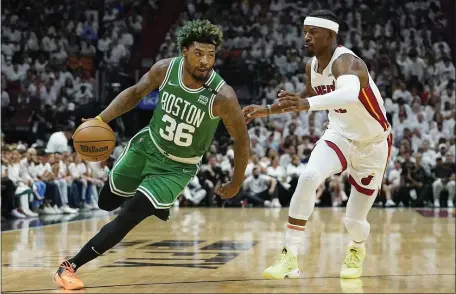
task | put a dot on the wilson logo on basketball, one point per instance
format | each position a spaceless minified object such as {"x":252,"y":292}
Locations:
{"x":94,"y":149}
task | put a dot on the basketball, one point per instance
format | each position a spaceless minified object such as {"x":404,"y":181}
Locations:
{"x":94,"y":140}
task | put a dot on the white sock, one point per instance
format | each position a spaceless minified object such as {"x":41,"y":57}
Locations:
{"x":354,"y":244}
{"x":294,"y":237}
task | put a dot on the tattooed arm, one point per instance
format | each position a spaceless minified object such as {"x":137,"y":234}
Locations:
{"x":131,"y":96}
{"x":227,"y":107}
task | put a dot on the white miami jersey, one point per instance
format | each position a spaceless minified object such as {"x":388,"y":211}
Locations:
{"x":362,"y":121}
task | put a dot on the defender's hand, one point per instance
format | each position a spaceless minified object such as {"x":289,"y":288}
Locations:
{"x":228,"y":190}
{"x":289,"y":101}
{"x":254,"y":111}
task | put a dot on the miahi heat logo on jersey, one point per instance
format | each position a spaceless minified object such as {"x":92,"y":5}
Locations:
{"x":203,"y":99}
{"x":94,"y":149}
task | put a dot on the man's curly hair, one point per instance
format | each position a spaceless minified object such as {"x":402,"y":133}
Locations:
{"x":201,"y":31}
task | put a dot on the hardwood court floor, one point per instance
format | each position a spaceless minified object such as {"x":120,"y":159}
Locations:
{"x":226,"y":250}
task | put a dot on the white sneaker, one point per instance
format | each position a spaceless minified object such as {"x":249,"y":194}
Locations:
{"x":29,"y":213}
{"x":25,"y":205}
{"x":276,"y":203}
{"x":86,"y":207}
{"x":436,"y":203}
{"x":68,"y":210}
{"x":95,"y":206}
{"x":413,"y":194}
{"x":47,"y":210}
{"x":390,"y":203}
{"x":17,"y":214}
{"x":57,"y":210}
{"x":267,"y":203}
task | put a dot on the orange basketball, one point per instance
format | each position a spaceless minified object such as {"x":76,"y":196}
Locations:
{"x":94,"y":140}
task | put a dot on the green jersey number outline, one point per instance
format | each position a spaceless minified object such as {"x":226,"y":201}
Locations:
{"x":181,"y":134}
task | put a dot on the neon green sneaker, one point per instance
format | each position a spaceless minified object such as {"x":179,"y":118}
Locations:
{"x":285,"y":266}
{"x":353,"y":263}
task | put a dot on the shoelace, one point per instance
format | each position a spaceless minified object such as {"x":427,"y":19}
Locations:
{"x":352,"y":260}
{"x":70,"y":270}
{"x":279,"y":258}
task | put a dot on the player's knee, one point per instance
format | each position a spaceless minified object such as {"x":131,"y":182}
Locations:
{"x":105,"y":199}
{"x":136,"y":210}
{"x":311,"y":178}
{"x":437,"y":184}
{"x":358,"y":230}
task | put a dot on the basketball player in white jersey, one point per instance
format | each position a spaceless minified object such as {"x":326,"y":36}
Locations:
{"x":357,"y":139}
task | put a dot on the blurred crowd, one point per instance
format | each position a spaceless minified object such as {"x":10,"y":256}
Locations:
{"x":400,"y":41}
{"x":36,"y":181}
{"x":50,"y":53}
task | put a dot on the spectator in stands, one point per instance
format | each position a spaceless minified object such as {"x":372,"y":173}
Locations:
{"x":8,"y":199}
{"x":194,"y":192}
{"x":58,"y":142}
{"x":420,"y":182}
{"x":259,"y":190}
{"x":61,"y":180}
{"x":393,"y":184}
{"x":444,"y":174}
{"x":29,"y":165}
{"x":82,"y":182}
{"x":23,"y":183}
{"x":44,"y":173}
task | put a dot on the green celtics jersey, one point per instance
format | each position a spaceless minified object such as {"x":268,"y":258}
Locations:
{"x":183,"y":124}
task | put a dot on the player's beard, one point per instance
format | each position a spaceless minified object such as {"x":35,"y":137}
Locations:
{"x":198,"y":76}
{"x":310,"y":51}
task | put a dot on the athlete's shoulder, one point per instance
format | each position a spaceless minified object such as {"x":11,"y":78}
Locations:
{"x":342,"y":52}
{"x":226,"y":92}
{"x":158,"y":71}
{"x":162,"y":64}
{"x":225,"y":100}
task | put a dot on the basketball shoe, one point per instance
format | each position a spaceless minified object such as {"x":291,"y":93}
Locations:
{"x":66,"y":278}
{"x":285,"y":266}
{"x":353,"y":263}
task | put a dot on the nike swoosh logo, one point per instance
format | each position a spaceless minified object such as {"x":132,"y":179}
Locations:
{"x":171,"y":84}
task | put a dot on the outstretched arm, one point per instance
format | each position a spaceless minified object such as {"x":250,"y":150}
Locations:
{"x":131,"y":96}
{"x":254,"y":111}
{"x":350,"y":73}
{"x":227,"y":107}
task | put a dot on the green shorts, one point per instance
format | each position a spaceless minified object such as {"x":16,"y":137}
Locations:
{"x":141,"y":167}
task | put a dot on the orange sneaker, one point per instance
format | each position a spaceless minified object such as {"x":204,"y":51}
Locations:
{"x":66,"y":278}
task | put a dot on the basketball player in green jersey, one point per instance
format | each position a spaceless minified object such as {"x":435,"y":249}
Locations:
{"x":162,"y":158}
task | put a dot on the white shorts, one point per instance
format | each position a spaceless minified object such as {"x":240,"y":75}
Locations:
{"x":366,"y":162}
